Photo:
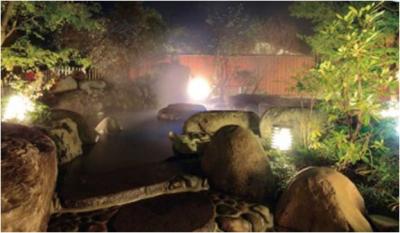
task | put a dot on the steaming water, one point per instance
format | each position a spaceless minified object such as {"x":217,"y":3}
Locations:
{"x":143,"y":140}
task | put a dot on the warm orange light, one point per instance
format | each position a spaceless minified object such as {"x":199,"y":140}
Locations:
{"x":198,"y":88}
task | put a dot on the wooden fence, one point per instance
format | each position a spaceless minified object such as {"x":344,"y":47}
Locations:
{"x":89,"y":73}
{"x":276,"y":72}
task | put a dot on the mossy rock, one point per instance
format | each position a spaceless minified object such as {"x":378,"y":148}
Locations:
{"x":321,"y":199}
{"x":211,"y":121}
{"x":86,"y":133}
{"x":28,"y":176}
{"x":302,"y":122}
{"x":65,"y":134}
{"x":188,"y":144}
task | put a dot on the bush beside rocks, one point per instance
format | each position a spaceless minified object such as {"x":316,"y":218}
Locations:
{"x":28,"y":177}
{"x":321,"y":199}
{"x":235,"y":162}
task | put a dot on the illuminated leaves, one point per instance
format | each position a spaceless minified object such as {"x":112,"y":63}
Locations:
{"x":355,"y":71}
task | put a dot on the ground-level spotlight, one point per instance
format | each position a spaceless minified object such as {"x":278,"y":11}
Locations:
{"x":281,"y":138}
{"x":17,"y":108}
{"x":198,"y":88}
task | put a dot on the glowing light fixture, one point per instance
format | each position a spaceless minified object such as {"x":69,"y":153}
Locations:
{"x":198,"y":88}
{"x":281,"y":138}
{"x":17,"y":108}
{"x":392,"y":112}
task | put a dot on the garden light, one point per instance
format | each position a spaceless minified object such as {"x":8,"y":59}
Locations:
{"x":392,"y":112}
{"x":281,"y":138}
{"x":198,"y":88}
{"x":17,"y":108}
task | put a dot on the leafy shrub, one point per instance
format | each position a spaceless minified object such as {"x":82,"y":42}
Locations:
{"x":283,"y":168}
{"x":355,"y":72}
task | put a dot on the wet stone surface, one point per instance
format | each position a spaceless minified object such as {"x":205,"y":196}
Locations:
{"x":234,"y":214}
{"x":94,"y":221}
{"x":190,"y":211}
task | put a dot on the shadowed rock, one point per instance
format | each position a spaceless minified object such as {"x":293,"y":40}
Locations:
{"x":86,"y":133}
{"x":28,"y":177}
{"x":235,"y":162}
{"x":321,"y":199}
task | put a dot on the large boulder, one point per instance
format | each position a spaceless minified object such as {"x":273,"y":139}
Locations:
{"x":65,"y":134}
{"x":300,"y":121}
{"x":28,"y":178}
{"x":211,"y":121}
{"x":235,"y":162}
{"x":65,"y":84}
{"x":87,"y":134}
{"x":321,"y":199}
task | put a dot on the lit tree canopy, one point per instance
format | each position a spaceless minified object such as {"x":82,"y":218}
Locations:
{"x":27,"y":28}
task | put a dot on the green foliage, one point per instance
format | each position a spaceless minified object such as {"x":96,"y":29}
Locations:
{"x":32,"y":89}
{"x":27,"y":27}
{"x":379,"y":199}
{"x":358,"y":59}
{"x":283,"y":168}
{"x":355,"y":72}
{"x":27,"y":41}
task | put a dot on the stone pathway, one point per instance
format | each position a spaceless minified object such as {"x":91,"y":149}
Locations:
{"x":190,"y":211}
{"x":235,"y":214}
{"x":82,"y":222}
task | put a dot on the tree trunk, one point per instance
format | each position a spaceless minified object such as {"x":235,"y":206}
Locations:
{"x":4,"y":22}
